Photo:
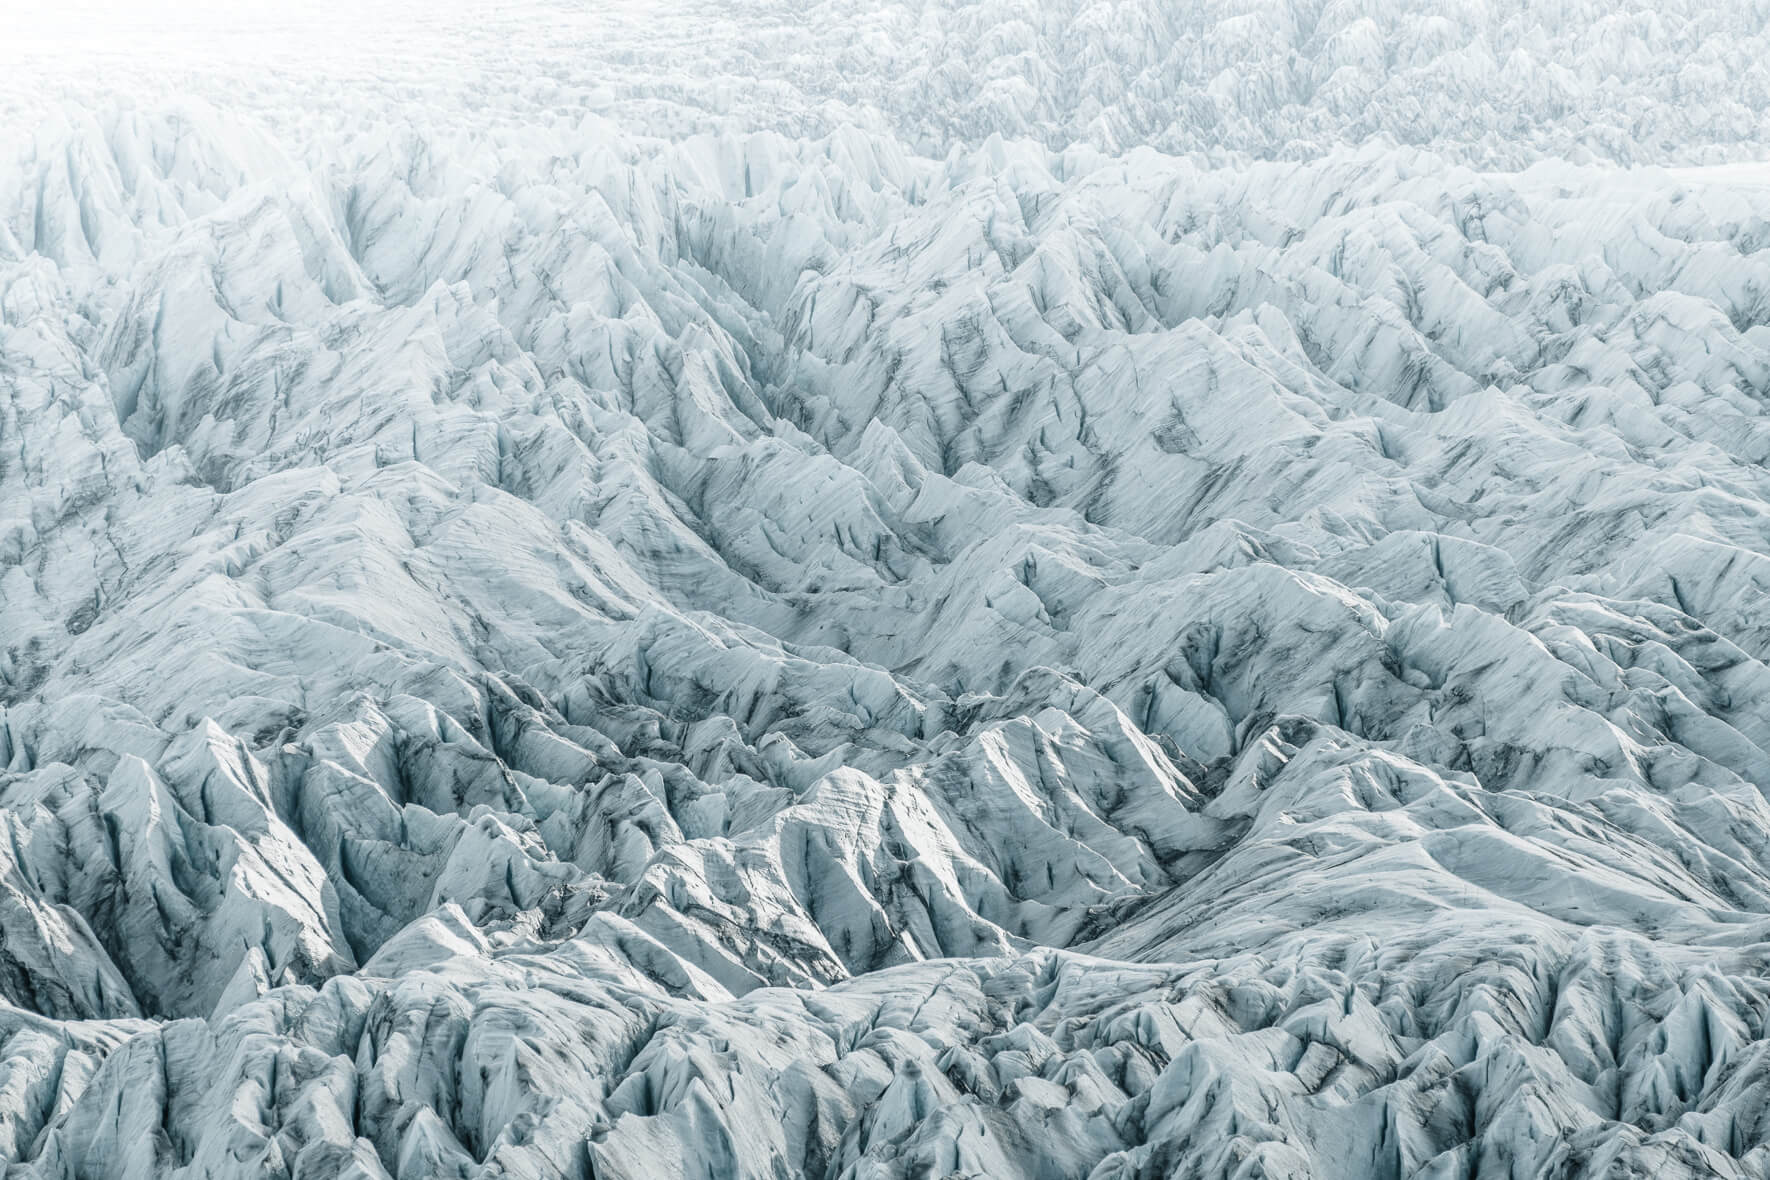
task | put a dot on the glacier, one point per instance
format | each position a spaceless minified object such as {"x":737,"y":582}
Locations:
{"x":955,"y":590}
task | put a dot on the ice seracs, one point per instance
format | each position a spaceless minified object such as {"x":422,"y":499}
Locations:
{"x":565,"y":650}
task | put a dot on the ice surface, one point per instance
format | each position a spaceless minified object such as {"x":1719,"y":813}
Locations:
{"x":969,"y":590}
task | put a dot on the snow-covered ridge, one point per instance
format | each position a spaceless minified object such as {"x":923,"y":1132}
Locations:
{"x":566,"y":654}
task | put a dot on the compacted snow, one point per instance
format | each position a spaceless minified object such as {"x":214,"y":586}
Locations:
{"x":858,"y":591}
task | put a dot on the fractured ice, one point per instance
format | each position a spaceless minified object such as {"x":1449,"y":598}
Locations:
{"x":640,"y":645}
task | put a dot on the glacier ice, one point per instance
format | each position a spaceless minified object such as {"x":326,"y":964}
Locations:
{"x":982,"y":590}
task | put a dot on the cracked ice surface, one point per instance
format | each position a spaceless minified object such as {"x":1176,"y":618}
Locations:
{"x":980,"y":590}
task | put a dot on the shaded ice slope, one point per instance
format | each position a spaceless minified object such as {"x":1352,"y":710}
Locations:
{"x":1180,"y":672}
